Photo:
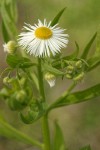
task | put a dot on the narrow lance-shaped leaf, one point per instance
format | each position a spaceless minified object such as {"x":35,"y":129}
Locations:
{"x":97,"y":52}
{"x":78,"y":97}
{"x":5,"y":32}
{"x":52,"y":70}
{"x":59,"y":143}
{"x":94,"y":61}
{"x":17,"y":61}
{"x":88,"y":46}
{"x":10,"y":132}
{"x":56,"y":19}
{"x":13,"y":10}
{"x":86,"y":148}
{"x":7,"y":20}
{"x":35,"y":79}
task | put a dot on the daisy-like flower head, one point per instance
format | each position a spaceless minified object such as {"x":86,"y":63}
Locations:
{"x":43,"y":39}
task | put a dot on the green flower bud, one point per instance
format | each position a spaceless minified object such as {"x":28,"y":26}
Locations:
{"x":69,"y":76}
{"x":50,"y":78}
{"x":4,"y":92}
{"x":70,"y":69}
{"x":6,"y":80}
{"x":79,"y":77}
{"x":10,"y":47}
{"x":79,"y":64}
{"x":22,"y":81}
{"x":17,"y":100}
{"x":21,"y":95}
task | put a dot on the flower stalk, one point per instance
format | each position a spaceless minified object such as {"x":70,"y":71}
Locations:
{"x":45,"y":125}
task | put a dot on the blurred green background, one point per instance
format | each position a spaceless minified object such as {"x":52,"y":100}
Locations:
{"x":81,"y":122}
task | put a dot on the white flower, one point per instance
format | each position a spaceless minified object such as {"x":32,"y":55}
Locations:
{"x":10,"y":47}
{"x":51,"y":79}
{"x":43,"y":39}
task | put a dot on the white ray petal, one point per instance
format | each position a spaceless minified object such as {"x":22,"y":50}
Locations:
{"x":39,"y":46}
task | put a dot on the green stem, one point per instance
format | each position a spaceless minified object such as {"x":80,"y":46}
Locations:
{"x":45,"y":125}
{"x":46,"y":133}
{"x":40,"y":75}
{"x":67,"y":92}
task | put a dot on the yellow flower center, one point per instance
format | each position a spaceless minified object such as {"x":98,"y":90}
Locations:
{"x":43,"y":33}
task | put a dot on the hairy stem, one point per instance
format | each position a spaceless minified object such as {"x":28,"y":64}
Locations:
{"x":40,"y":76}
{"x":45,"y":125}
{"x":46,"y":133}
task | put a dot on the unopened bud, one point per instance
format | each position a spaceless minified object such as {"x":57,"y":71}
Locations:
{"x":10,"y":47}
{"x":70,"y":69}
{"x":69,"y":76}
{"x":21,"y":95}
{"x":6,"y":80}
{"x":50,"y":78}
{"x":79,"y":77}
{"x":79,"y":64}
{"x":22,"y":81}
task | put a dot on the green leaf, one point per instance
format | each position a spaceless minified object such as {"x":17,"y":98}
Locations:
{"x":78,"y":97}
{"x":7,"y":20}
{"x":17,"y":61}
{"x":8,"y":131}
{"x":8,"y":69}
{"x":97,"y":52}
{"x":35,"y":79}
{"x":5,"y":32}
{"x":35,"y":112}
{"x":15,"y":104}
{"x":59,"y":143}
{"x":13,"y":60}
{"x":56,"y":19}
{"x":88,"y":46}
{"x":86,"y":148}
{"x":29,"y":118}
{"x":52,"y":70}
{"x":13,"y":10}
{"x":93,"y":62}
{"x":27,"y":65}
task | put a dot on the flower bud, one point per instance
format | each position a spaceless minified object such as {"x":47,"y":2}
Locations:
{"x":21,"y":96}
{"x":50,"y":78}
{"x":69,"y":76}
{"x":79,"y":64}
{"x":70,"y":69}
{"x":6,"y":80}
{"x":22,"y":81}
{"x":10,"y":47}
{"x":79,"y":77}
